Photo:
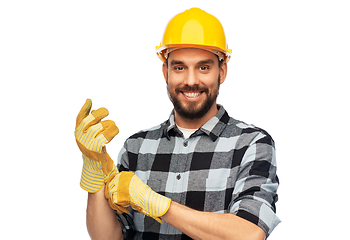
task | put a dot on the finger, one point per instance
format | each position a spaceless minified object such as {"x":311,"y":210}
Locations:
{"x":122,"y":209}
{"x":98,"y":115}
{"x":119,"y":208}
{"x":84,"y":112}
{"x":109,"y":129}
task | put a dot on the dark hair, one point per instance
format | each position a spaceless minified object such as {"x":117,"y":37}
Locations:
{"x":220,"y":62}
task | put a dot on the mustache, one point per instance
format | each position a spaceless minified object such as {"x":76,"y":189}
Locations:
{"x":195,"y":88}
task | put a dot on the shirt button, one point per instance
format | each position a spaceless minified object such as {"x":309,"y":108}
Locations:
{"x":178,"y":177}
{"x":185,"y":144}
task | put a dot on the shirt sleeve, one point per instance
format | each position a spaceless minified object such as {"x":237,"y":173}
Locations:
{"x":127,"y":225}
{"x":255,"y":191}
{"x":126,"y":219}
{"x":123,"y":161}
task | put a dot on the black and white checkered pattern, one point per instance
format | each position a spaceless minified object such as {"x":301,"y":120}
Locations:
{"x":226,"y":166}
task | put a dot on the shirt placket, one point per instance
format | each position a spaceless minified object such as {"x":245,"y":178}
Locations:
{"x":181,"y":176}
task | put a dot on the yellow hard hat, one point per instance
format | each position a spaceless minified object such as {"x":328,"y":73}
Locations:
{"x":194,"y":28}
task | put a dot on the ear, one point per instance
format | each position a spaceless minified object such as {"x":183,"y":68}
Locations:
{"x":165,"y":71}
{"x":223,"y":72}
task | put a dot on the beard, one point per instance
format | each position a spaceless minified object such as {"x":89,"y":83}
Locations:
{"x":196,"y":109}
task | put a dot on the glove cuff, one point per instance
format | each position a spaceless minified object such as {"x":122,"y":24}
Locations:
{"x":156,"y":204}
{"x":92,"y":178}
{"x":147,"y":201}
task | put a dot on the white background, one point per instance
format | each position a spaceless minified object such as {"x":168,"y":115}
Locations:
{"x":289,"y":74}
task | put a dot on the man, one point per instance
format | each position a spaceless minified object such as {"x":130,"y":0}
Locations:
{"x":201,"y":174}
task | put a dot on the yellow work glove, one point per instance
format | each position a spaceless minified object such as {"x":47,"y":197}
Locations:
{"x":127,"y":189}
{"x":91,"y":136}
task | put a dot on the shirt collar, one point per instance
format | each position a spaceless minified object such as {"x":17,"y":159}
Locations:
{"x":213,"y":128}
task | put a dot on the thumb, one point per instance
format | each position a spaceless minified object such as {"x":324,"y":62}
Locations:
{"x":84,"y":112}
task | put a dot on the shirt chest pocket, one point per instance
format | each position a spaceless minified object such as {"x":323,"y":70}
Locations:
{"x":183,"y":185}
{"x":210,"y":184}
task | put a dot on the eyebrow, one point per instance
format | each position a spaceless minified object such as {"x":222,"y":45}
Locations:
{"x":175,"y":62}
{"x":208,"y":61}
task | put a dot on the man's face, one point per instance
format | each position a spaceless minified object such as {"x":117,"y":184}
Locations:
{"x":193,"y":80}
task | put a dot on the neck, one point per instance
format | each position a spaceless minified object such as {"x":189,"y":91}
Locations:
{"x":197,"y":122}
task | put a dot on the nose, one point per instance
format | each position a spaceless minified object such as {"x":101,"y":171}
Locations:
{"x":191,"y":78}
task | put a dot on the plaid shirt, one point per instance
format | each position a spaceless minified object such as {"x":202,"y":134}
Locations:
{"x":226,"y":166}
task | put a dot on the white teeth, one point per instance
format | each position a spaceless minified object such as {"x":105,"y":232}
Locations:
{"x":191,"y":94}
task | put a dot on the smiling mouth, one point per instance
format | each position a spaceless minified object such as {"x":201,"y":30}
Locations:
{"x":191,"y":94}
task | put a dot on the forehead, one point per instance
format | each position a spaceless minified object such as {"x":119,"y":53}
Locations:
{"x":192,"y":55}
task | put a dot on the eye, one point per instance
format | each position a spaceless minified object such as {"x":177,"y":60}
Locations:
{"x":179,"y":68}
{"x":204,"y":68}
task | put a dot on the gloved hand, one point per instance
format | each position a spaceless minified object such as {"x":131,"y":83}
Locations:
{"x":91,"y":136}
{"x":126,"y":189}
